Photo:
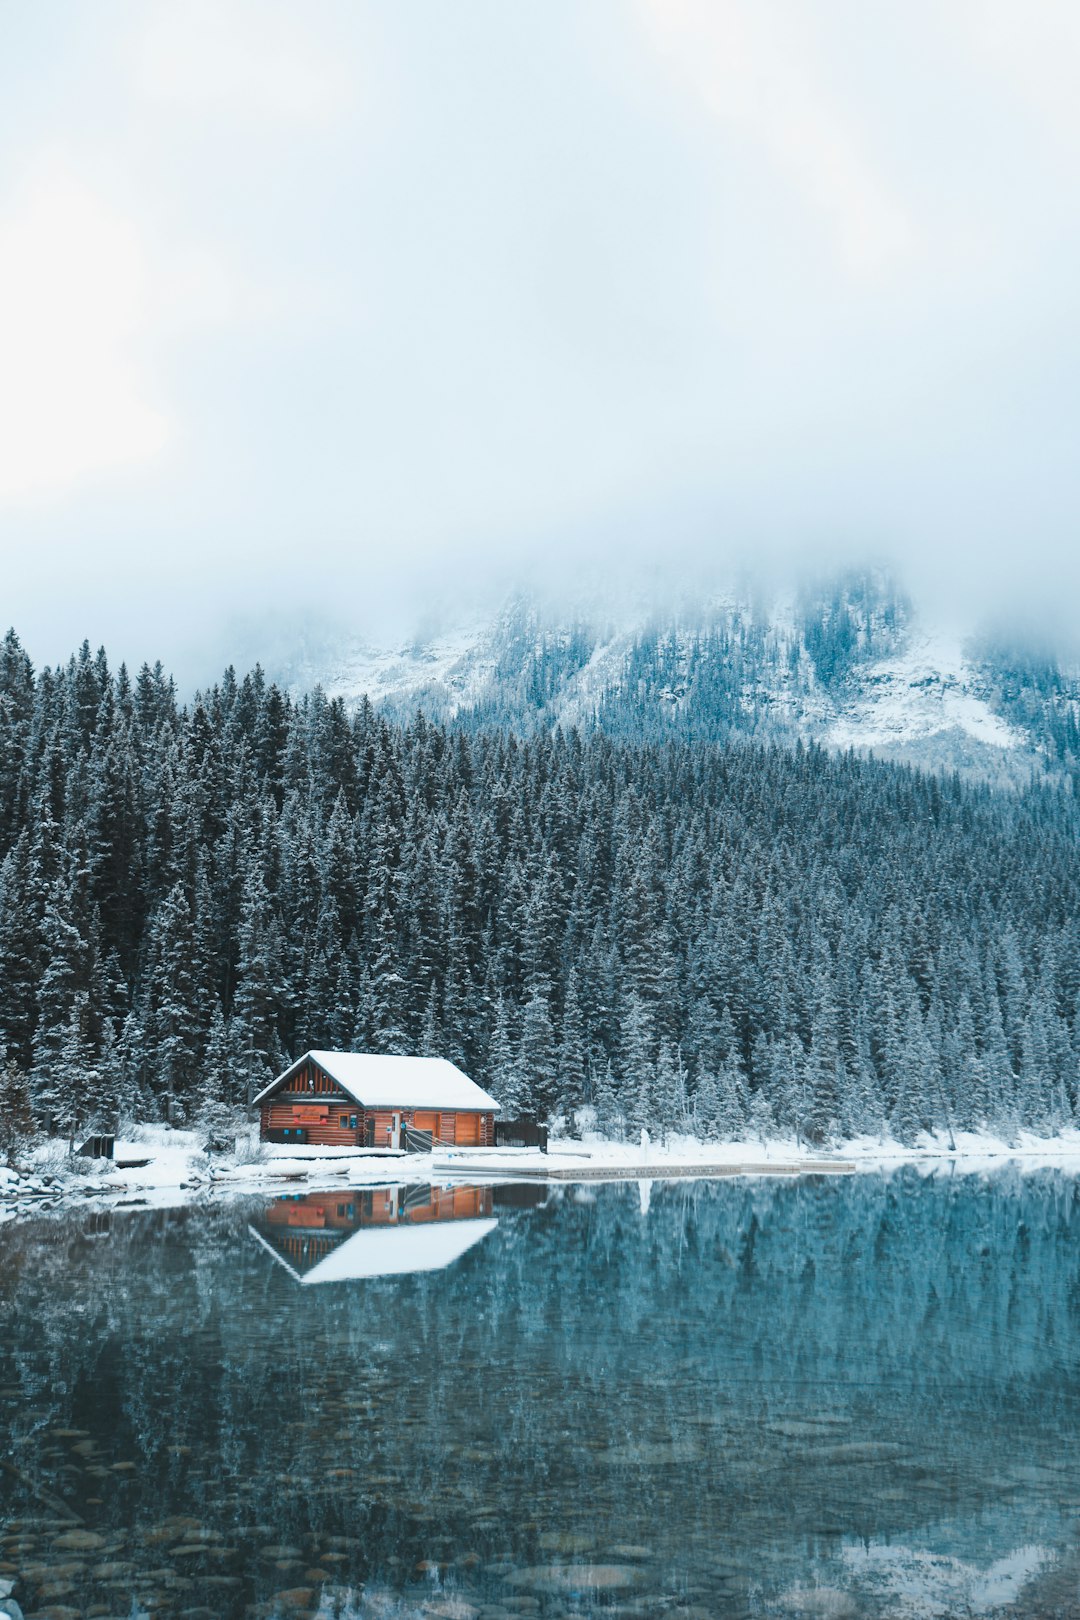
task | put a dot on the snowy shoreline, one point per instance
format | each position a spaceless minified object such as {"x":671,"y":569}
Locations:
{"x":177,"y":1171}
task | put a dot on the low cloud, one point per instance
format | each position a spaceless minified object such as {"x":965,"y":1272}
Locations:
{"x":750,"y":64}
{"x":247,"y":58}
{"x":75,"y":396}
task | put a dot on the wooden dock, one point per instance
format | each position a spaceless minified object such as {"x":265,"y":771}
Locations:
{"x":650,"y":1172}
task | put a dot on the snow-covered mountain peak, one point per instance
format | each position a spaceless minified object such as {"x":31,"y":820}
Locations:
{"x":847,"y":665}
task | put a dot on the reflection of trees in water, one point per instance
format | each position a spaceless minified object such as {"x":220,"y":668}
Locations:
{"x":762,"y":1361}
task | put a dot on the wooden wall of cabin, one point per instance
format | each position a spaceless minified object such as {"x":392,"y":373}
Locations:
{"x":290,"y":1108}
{"x":460,"y":1127}
{"x":322,"y":1121}
{"x":309,"y":1080}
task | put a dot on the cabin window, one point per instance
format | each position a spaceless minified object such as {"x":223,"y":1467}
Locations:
{"x":352,"y":1122}
{"x":344,"y":1121}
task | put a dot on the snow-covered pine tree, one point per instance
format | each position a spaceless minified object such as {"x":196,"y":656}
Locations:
{"x":16,"y":1117}
{"x":571,"y":1062}
{"x":65,"y":978}
{"x":706,"y":1106}
{"x":538,"y":1055}
{"x":504,"y":1074}
{"x":732,"y":1103}
{"x":170,"y":1013}
{"x":257,"y":1053}
{"x":610,"y":1116}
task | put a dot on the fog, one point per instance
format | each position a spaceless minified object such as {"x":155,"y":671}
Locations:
{"x":341,"y":314}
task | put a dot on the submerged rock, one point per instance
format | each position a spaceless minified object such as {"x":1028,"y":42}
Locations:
{"x":566,"y":1541}
{"x":823,"y":1602}
{"x":79,"y":1541}
{"x":859,"y":1451}
{"x":654,"y":1454}
{"x":294,"y":1597}
{"x":569,"y":1578}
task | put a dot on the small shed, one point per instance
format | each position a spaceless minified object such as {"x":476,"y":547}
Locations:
{"x":97,"y":1147}
{"x":362,"y":1099}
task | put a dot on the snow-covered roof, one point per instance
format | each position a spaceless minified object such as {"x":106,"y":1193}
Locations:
{"x":397,"y":1082}
{"x":391,"y":1251}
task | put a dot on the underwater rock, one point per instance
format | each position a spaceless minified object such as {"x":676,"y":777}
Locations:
{"x":806,"y":1428}
{"x":294,"y":1597}
{"x":566,"y":1541}
{"x":823,"y":1602}
{"x":79,"y":1541}
{"x":562,"y":1579}
{"x":655,"y":1454}
{"x":857,"y":1451}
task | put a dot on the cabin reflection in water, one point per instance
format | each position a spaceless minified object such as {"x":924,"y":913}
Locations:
{"x":373,"y":1231}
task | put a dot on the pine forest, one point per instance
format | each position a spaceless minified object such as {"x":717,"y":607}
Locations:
{"x":723,"y":938}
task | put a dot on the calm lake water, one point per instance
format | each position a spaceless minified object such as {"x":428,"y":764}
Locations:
{"x":831,"y":1397}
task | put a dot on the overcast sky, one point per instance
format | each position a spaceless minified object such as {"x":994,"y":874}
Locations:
{"x":318,"y":305}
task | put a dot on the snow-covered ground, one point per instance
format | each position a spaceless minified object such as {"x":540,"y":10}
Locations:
{"x":176,"y":1170}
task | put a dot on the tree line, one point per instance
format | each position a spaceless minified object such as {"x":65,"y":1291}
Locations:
{"x":678,"y":935}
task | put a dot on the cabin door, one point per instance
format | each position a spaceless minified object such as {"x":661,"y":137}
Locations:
{"x":395,"y":1134}
{"x":467,"y":1130}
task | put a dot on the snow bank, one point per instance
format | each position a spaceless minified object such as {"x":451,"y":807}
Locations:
{"x":156,"y":1166}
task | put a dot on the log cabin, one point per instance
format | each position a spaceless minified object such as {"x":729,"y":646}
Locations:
{"x":360,"y":1099}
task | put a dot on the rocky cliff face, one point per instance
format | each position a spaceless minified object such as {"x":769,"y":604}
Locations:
{"x":848,"y":665}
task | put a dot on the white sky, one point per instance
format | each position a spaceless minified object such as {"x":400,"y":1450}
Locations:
{"x":317,"y":305}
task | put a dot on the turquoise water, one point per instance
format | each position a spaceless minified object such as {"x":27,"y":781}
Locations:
{"x":852,"y":1396}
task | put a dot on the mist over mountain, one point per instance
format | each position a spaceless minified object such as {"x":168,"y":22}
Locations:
{"x":846,"y":660}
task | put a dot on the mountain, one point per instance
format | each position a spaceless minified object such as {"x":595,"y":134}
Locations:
{"x":847,"y":664}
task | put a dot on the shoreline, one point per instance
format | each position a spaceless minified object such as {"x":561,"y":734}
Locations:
{"x":172,"y":1170}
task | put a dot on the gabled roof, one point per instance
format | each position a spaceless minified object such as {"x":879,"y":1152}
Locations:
{"x":396,"y":1082}
{"x":390,"y":1251}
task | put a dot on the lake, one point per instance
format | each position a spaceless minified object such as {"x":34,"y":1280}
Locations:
{"x":828,"y":1397}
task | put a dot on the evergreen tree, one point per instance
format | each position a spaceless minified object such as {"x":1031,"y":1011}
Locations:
{"x":170,"y":1010}
{"x":571,"y":1064}
{"x":505,"y":1075}
{"x":537,"y":1055}
{"x":16,"y":1116}
{"x":257,"y":1052}
{"x":610,"y":1119}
